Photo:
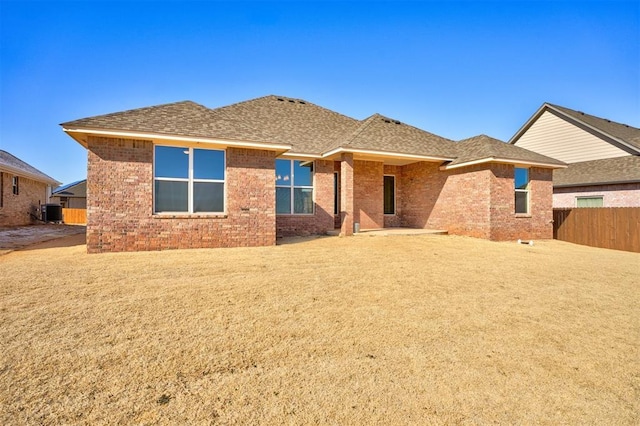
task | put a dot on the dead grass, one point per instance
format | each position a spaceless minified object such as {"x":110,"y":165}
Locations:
{"x":387,"y":330}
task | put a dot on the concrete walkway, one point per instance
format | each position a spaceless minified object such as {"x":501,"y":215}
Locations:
{"x":15,"y":238}
{"x":383,"y":232}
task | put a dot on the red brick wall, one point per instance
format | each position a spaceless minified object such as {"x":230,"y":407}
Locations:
{"x":621,"y":195}
{"x":476,"y":201}
{"x":505,"y":225}
{"x":368,"y":194}
{"x":120,"y":202}
{"x":455,"y":200}
{"x":15,"y":209}
{"x":323,"y":219}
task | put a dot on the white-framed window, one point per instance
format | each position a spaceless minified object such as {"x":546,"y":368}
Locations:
{"x":590,"y":201}
{"x":294,"y":187}
{"x":15,"y":183}
{"x":522,"y":193}
{"x":188,"y":180}
{"x":389,"y":194}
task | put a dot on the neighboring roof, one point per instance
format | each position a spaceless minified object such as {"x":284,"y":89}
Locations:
{"x":599,"y":172}
{"x":621,"y":133}
{"x":298,"y":127}
{"x":483,"y":148}
{"x":68,"y":189}
{"x":12,"y":164}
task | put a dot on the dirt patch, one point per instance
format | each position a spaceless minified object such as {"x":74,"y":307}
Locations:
{"x":380,"y":330}
{"x":20,"y":237}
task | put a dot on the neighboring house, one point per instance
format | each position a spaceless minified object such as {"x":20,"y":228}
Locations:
{"x":72,"y":195}
{"x":182,"y":175}
{"x":23,"y":189}
{"x":603,"y":156}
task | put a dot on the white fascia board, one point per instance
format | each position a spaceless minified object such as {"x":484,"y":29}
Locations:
{"x":385,"y":154}
{"x":298,"y":155}
{"x":21,"y":173}
{"x":504,"y":161}
{"x":187,"y":139}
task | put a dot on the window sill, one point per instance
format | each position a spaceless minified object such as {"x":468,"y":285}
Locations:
{"x":295,"y":214}
{"x":523,"y":215}
{"x":190,"y":216}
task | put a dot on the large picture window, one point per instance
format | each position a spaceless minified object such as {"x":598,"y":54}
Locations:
{"x":521,"y":180}
{"x":294,"y":187}
{"x":389,"y":194}
{"x":188,"y":180}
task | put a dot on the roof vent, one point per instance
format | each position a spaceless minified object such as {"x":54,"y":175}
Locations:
{"x":281,"y":100}
{"x":292,"y":101}
{"x":302,"y":102}
{"x":396,"y":121}
{"x":386,"y":120}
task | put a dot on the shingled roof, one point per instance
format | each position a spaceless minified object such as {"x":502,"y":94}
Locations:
{"x":598,"y":172}
{"x":12,"y":164}
{"x":299,"y":126}
{"x":384,"y":134}
{"x":483,"y":147}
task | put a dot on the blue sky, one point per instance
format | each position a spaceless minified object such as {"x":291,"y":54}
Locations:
{"x":456,"y":69}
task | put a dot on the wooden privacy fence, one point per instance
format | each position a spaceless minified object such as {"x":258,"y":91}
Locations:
{"x":615,"y":228}
{"x":74,"y":216}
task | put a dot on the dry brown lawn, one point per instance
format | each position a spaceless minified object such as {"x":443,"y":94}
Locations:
{"x":363,"y":330}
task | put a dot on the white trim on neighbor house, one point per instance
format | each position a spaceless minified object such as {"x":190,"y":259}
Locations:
{"x":503,"y":161}
{"x":223,"y":143}
{"x":19,"y":172}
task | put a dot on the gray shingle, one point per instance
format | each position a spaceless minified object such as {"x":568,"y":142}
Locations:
{"x":606,"y":171}
{"x":385,"y":134}
{"x":483,"y":146}
{"x":307,"y":128}
{"x":14,"y":164}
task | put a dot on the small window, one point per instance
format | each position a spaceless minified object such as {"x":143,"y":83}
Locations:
{"x":390,"y":195}
{"x":188,"y":180}
{"x":294,"y":187}
{"x":590,"y":201}
{"x":16,"y":185}
{"x":521,"y":181}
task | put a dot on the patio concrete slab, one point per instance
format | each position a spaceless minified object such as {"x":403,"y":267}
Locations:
{"x":381,"y":232}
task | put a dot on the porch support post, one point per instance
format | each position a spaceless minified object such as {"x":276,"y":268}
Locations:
{"x":346,"y":195}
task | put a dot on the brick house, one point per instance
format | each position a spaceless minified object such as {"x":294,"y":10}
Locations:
{"x":603,"y":156}
{"x":182,"y":175}
{"x":23,"y":189}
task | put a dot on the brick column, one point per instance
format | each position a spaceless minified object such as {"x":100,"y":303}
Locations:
{"x":346,"y":195}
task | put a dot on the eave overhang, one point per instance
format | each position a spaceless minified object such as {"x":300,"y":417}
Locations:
{"x":80,"y":135}
{"x":503,"y":161}
{"x":387,"y":157}
{"x":21,"y":173}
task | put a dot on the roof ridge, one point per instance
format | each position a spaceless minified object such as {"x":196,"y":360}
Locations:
{"x":363,"y":125}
